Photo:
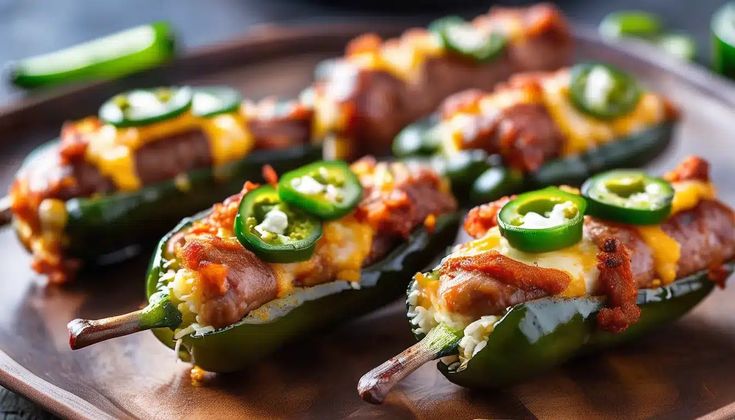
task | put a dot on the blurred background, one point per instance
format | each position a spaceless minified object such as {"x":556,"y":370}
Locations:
{"x":31,"y":27}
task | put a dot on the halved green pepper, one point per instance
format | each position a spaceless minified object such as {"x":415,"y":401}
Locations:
{"x":498,"y":180}
{"x":535,"y":336}
{"x":236,"y":346}
{"x":521,"y":346}
{"x":117,"y":223}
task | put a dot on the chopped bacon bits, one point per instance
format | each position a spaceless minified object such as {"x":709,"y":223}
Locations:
{"x":693,"y":168}
{"x":222,"y":217}
{"x":270,"y":175}
{"x":483,"y":218}
{"x":617,"y":282}
{"x":512,"y":272}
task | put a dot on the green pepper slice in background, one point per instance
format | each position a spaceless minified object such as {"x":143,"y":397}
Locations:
{"x":326,"y":189}
{"x":603,"y":91}
{"x":146,"y":106}
{"x":546,"y":233}
{"x":418,"y":139}
{"x":274,"y":231}
{"x":723,"y":38}
{"x":462,"y":38}
{"x":112,"y":56}
{"x":628,"y":196}
{"x":633,"y":23}
{"x":211,"y":101}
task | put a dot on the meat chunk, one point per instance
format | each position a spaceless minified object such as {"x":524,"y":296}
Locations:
{"x":233,"y":280}
{"x":617,"y":283}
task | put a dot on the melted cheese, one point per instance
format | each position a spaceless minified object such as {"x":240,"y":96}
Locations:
{"x":687,"y":194}
{"x":112,"y":150}
{"x":579,"y":260}
{"x":344,"y":246}
{"x":583,"y":132}
{"x":666,"y":251}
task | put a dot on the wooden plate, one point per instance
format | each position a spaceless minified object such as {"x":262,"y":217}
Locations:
{"x":684,"y":370}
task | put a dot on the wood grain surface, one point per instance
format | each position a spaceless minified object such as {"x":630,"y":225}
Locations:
{"x":683,"y":370}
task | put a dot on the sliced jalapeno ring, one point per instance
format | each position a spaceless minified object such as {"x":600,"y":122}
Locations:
{"x":145,"y":106}
{"x":420,"y":138}
{"x":215,"y":100}
{"x":543,"y":220}
{"x":722,"y":27}
{"x":603,"y":91}
{"x":464,"y":39}
{"x":326,"y":189}
{"x":274,"y":231}
{"x":628,"y":196}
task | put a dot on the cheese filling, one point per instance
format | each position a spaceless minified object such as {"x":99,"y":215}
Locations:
{"x":112,"y":150}
{"x":559,"y":214}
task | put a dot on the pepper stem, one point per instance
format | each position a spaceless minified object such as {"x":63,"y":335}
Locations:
{"x":158,"y":314}
{"x":376,"y":384}
{"x":6,"y":214}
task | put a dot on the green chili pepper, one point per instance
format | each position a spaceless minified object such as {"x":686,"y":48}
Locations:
{"x":496,"y":182}
{"x":274,"y":231}
{"x":603,"y":91}
{"x":462,"y":38}
{"x":464,"y":166}
{"x":239,"y":345}
{"x":113,"y":56}
{"x":544,"y":234}
{"x":117,"y":223}
{"x":633,"y":23}
{"x":723,"y":38}
{"x":628,"y":196}
{"x":146,"y":106}
{"x":326,"y":189}
{"x":215,"y":100}
{"x":535,"y":336}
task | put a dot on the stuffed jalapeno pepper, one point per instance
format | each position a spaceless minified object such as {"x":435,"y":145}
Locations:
{"x":542,"y":129}
{"x":151,"y":157}
{"x":556,"y":273}
{"x":275,"y":262}
{"x":362,"y":100}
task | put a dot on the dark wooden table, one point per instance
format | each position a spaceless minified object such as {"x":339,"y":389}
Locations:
{"x":28,"y":28}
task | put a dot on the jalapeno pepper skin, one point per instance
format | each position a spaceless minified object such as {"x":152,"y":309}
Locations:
{"x":625,"y":88}
{"x":547,"y":239}
{"x":118,"y":223}
{"x":155,"y":45}
{"x":293,"y":249}
{"x":520,"y":346}
{"x":635,"y":150}
{"x":238,"y":346}
{"x":319,"y":204}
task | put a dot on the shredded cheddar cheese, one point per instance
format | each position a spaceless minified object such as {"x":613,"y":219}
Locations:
{"x":666,"y":251}
{"x":687,"y":194}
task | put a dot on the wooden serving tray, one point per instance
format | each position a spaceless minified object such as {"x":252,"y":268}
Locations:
{"x":683,"y":370}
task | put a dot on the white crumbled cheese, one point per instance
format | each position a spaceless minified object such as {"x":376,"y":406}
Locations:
{"x":475,"y":337}
{"x":307,"y":185}
{"x":274,"y":223}
{"x":652,"y":194}
{"x":600,"y":84}
{"x":467,"y":36}
{"x":557,"y":216}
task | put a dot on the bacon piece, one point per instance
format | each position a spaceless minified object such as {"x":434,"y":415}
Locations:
{"x":484,"y":217}
{"x":270,"y":175}
{"x":511,"y":272}
{"x":617,"y":282}
{"x":693,"y":168}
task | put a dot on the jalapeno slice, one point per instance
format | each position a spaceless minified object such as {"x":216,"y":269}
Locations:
{"x":215,"y":100}
{"x":543,"y":220}
{"x":327,"y":189}
{"x":273,"y":230}
{"x":603,"y":91}
{"x":464,"y":39}
{"x":628,"y":196}
{"x":145,"y":106}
